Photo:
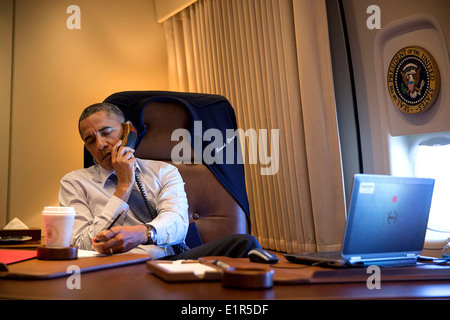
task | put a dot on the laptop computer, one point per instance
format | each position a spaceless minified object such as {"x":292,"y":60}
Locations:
{"x":386,"y":223}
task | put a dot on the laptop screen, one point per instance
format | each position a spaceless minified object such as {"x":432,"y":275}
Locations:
{"x":387,"y":216}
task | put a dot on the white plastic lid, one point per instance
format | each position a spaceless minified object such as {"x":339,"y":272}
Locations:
{"x":56,"y":210}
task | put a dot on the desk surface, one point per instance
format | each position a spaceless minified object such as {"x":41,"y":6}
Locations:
{"x":135,"y":282}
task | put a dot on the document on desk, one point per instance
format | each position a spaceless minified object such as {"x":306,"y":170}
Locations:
{"x":88,"y":254}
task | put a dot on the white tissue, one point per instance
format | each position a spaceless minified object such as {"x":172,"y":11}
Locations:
{"x":15,"y":224}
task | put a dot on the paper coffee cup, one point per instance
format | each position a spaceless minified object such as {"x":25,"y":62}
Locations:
{"x":58,"y":225}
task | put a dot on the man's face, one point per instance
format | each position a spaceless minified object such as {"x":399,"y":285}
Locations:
{"x":100,"y":132}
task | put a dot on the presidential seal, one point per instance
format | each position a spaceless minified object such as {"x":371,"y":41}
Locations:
{"x":413,"y":80}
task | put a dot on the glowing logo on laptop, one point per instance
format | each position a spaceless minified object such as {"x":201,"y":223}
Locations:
{"x":392,"y":217}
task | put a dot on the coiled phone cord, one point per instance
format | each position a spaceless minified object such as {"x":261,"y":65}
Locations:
{"x":150,"y":208}
{"x":179,"y":248}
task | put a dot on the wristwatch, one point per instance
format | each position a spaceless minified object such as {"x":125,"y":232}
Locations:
{"x":151,"y":235}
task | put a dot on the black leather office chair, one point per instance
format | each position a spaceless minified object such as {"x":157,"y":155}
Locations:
{"x":217,"y":198}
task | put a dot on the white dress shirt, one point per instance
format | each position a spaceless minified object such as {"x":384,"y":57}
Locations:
{"x":90,"y":191}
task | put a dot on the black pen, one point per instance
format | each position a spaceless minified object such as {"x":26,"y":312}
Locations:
{"x":115,"y":220}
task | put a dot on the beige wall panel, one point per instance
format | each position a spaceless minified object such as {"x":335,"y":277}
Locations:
{"x":6,"y":33}
{"x":58,"y":72}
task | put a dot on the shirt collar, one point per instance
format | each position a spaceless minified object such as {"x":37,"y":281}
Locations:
{"x":105,"y":174}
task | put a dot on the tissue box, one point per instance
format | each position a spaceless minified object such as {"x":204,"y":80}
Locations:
{"x":34,"y":233}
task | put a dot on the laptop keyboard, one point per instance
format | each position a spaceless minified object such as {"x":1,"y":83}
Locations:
{"x":326,"y":255}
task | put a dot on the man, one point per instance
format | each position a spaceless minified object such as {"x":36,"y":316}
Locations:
{"x":106,"y":190}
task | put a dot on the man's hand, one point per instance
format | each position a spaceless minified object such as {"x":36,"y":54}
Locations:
{"x":120,"y":239}
{"x":124,"y":164}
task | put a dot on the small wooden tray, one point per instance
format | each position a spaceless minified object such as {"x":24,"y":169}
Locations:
{"x":184,"y":270}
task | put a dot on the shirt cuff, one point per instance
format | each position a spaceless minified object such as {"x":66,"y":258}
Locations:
{"x":168,"y":233}
{"x":113,"y":208}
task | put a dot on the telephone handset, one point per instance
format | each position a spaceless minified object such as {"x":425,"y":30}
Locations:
{"x":129,"y":135}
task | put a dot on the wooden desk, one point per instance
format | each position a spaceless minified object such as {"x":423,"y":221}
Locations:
{"x":134,"y":282}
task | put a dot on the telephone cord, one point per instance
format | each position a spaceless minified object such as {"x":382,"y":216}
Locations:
{"x":180,"y":247}
{"x":150,"y":208}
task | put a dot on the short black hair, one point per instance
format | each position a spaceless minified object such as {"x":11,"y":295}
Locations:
{"x":110,"y":108}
